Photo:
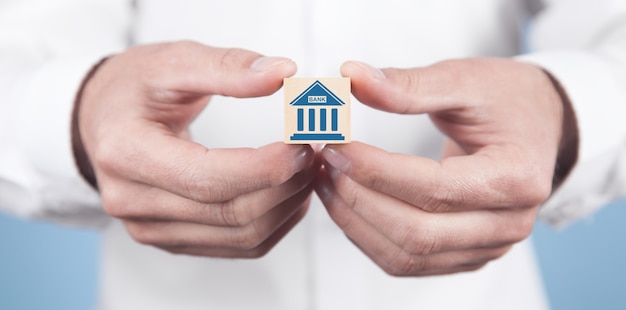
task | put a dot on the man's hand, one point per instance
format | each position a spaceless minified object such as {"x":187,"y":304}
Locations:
{"x":173,"y":193}
{"x":415,"y":216}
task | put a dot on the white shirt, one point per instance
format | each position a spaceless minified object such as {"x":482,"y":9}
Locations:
{"x":52,"y":44}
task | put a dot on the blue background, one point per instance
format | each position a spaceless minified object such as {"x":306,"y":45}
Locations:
{"x":43,"y":266}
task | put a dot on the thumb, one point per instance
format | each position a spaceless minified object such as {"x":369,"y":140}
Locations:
{"x":404,"y":91}
{"x":195,"y":68}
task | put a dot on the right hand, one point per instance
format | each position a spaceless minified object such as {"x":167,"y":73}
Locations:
{"x":176,"y":194}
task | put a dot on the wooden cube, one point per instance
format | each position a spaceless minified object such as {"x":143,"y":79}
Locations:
{"x":317,"y":110}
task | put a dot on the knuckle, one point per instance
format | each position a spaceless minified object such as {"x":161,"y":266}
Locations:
{"x":536,"y":190}
{"x":411,"y":81}
{"x":420,"y":242}
{"x":113,"y":203}
{"x":524,"y":227}
{"x":247,"y":242}
{"x":441,"y":201}
{"x":232,"y":57}
{"x":403,"y":265}
{"x":351,"y":193}
{"x":198,"y":187}
{"x":106,"y":156}
{"x":527,"y":226}
{"x":141,"y":233}
{"x":163,"y":94}
{"x":527,"y":188}
{"x":234,"y":214}
{"x":445,"y":195}
{"x":370,"y":177}
{"x":248,"y":238}
{"x":192,"y":186}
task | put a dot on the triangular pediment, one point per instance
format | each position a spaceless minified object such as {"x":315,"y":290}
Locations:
{"x":317,"y":95}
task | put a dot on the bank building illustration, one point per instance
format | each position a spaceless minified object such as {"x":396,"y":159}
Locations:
{"x":317,"y":110}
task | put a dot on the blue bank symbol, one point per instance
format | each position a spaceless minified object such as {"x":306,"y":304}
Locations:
{"x":317,"y":100}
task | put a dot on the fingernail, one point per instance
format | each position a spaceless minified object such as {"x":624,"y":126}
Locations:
{"x":374,"y":72}
{"x":304,"y":158}
{"x":336,"y":159}
{"x":266,"y":63}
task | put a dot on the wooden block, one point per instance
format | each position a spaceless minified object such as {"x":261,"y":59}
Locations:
{"x":317,"y":110}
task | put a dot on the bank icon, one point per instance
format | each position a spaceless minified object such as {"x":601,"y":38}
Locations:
{"x":317,"y":110}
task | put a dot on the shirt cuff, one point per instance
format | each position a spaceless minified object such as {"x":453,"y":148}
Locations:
{"x":43,"y":120}
{"x":594,"y":86}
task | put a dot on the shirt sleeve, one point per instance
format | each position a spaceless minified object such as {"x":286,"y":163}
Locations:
{"x":51,"y":45}
{"x":583,"y":44}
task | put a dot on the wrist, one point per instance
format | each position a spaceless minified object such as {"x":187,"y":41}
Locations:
{"x":569,"y":143}
{"x":81,"y":158}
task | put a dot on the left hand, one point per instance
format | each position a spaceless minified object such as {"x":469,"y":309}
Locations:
{"x":415,"y":216}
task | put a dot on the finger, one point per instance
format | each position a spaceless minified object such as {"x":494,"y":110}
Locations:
{"x":154,"y":204}
{"x":417,"y":232}
{"x":416,"y":90}
{"x":403,"y":265}
{"x":192,"y":171}
{"x":401,"y":260}
{"x":442,"y":86}
{"x":480,"y":181}
{"x":192,"y":67}
{"x":256,"y":252}
{"x":476,"y":102}
{"x":180,"y":234}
